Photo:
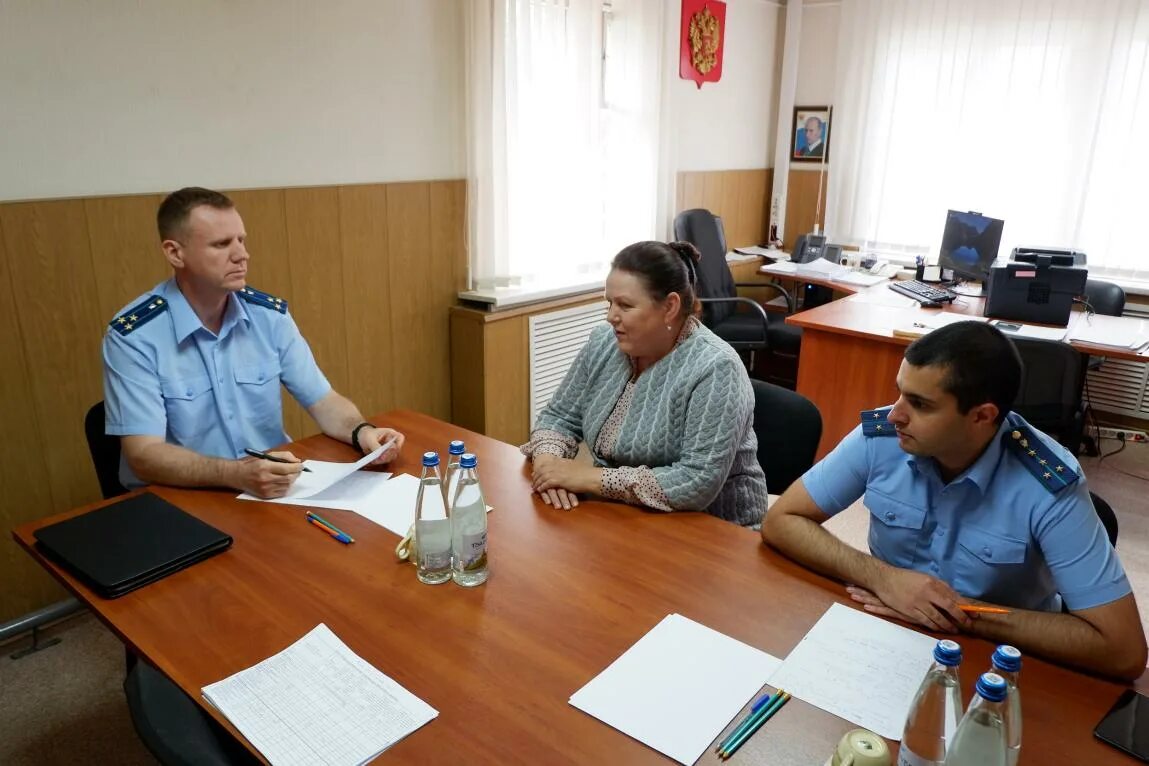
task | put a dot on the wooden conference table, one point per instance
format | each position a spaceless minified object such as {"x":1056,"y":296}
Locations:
{"x":569,"y":592}
{"x":850,"y":356}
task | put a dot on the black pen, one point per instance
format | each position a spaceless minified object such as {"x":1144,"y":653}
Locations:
{"x":272,"y":458}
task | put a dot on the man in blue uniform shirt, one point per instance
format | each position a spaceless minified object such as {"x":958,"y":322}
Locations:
{"x":968,"y":504}
{"x":192,"y":370}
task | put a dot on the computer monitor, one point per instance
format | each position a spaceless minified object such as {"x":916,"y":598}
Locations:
{"x":969,"y":244}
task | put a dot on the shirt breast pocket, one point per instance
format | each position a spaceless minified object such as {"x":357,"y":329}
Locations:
{"x":895,"y":529}
{"x":257,"y":389}
{"x":190,"y":406}
{"x":985,"y":561}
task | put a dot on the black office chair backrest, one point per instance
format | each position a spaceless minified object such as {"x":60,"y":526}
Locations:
{"x":788,"y":427}
{"x":105,"y":451}
{"x":1107,"y":516}
{"x":703,"y":229}
{"x":1053,"y":376}
{"x":1105,"y":297}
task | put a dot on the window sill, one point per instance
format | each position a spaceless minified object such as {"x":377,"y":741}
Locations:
{"x":501,"y":298}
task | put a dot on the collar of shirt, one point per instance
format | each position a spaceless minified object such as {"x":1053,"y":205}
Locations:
{"x":185,"y":321}
{"x":980,"y":473}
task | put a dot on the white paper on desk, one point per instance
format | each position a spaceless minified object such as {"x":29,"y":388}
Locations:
{"x":765,"y":251}
{"x":321,"y":476}
{"x":1031,"y":330}
{"x":858,"y":667}
{"x":318,"y":702}
{"x":785,"y":267}
{"x":677,"y":687}
{"x":862,"y":278}
{"x":392,"y":505}
{"x":1127,"y":335}
{"x":735,"y":257}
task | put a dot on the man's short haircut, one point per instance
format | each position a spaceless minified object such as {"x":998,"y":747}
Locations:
{"x":177,"y":206}
{"x":981,"y":364}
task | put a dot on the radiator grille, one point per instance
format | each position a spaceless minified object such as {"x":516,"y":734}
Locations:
{"x":555,"y":340}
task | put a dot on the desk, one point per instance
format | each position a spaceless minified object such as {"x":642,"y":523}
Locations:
{"x":850,"y":357}
{"x":569,"y":592}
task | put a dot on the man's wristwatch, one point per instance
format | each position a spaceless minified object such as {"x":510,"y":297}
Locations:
{"x":355,"y":436}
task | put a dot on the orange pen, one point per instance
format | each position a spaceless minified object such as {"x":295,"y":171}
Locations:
{"x":982,"y":609}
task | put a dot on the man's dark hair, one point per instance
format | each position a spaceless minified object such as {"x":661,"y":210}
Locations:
{"x":177,"y":206}
{"x":981,"y":364}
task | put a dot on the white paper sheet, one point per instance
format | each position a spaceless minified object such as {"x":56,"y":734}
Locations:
{"x":318,"y":702}
{"x":677,"y":688}
{"x":1128,"y":335}
{"x":321,"y":476}
{"x":785,"y":268}
{"x":756,"y":250}
{"x":735,"y":257}
{"x":858,"y":667}
{"x":1030,"y":330}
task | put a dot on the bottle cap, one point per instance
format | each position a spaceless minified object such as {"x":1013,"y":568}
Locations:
{"x":991,"y":686}
{"x":1007,"y":658}
{"x":456,"y":447}
{"x":947,"y":653}
{"x":430,"y":458}
{"x":468,"y":461}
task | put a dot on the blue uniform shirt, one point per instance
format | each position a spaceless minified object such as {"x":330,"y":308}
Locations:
{"x":168,"y":375}
{"x":1003,"y":531}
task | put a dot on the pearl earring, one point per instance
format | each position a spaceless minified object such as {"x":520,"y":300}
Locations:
{"x":669,"y":328}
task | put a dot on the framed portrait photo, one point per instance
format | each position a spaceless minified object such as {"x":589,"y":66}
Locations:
{"x":810,"y":138}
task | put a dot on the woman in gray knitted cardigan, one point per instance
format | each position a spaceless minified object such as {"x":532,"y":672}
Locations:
{"x":665,"y":405}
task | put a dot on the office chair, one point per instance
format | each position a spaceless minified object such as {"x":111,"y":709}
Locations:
{"x":751,"y":330}
{"x":105,"y":452}
{"x":788,"y":427}
{"x":167,"y":721}
{"x":1105,"y":297}
{"x":1107,"y":516}
{"x":1053,"y":376}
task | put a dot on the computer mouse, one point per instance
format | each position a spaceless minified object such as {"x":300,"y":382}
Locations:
{"x":931,"y":304}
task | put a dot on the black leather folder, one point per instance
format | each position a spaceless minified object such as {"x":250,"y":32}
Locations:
{"x":123,"y":546}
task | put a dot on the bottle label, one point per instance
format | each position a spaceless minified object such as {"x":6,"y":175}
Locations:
{"x":907,"y":757}
{"x":435,"y":560}
{"x":473,"y":551}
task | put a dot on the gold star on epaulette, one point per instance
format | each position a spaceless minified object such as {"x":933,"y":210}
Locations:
{"x":1046,"y":475}
{"x":139,"y":315}
{"x":1059,"y":468}
{"x":1031,"y":453}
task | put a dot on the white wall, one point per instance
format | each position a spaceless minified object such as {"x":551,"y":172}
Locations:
{"x":730,"y":124}
{"x":121,"y":96}
{"x":817,"y":54}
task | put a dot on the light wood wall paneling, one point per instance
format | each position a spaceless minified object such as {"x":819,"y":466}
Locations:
{"x":125,"y":249}
{"x":448,"y":267}
{"x":802,"y":206}
{"x":421,"y":379}
{"x":739,"y":197}
{"x":468,"y":371}
{"x":23,"y":467}
{"x":315,"y":253}
{"x":52,"y":275}
{"x":264,"y":213}
{"x":508,"y":376}
{"x":367,"y":289}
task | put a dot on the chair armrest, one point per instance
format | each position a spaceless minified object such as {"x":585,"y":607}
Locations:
{"x":773,"y":285}
{"x":739,"y":299}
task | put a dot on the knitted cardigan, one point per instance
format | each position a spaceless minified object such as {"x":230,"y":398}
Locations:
{"x":690,"y":421}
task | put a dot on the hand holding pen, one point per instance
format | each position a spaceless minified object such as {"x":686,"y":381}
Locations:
{"x":270,"y":475}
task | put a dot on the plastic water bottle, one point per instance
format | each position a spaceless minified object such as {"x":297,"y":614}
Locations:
{"x":980,"y":737}
{"x":934,"y":715}
{"x":469,"y":526}
{"x":432,"y":525}
{"x":1006,"y":663}
{"x":455,"y":451}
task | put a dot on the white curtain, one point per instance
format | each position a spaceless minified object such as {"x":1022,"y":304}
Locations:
{"x":563,"y":135}
{"x":1034,"y":111}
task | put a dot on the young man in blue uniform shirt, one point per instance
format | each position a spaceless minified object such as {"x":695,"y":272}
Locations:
{"x":192,"y":370}
{"x":968,"y":504}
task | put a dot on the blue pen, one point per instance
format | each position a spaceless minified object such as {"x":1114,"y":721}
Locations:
{"x":762,"y":702}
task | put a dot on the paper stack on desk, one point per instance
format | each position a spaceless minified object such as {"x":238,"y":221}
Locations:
{"x":677,"y":687}
{"x":318,"y":702}
{"x":1127,"y":335}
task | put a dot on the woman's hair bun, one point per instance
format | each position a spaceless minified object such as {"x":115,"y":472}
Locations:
{"x":686,"y":250}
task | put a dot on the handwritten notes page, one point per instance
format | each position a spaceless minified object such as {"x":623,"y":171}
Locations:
{"x":322,"y":475}
{"x":318,"y":702}
{"x":677,"y":687}
{"x":858,"y":667}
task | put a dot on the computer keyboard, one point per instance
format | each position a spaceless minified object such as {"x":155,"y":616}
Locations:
{"x":922,"y":292}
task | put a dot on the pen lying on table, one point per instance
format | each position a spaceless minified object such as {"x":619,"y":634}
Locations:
{"x":272,"y":458}
{"x":974,"y":608}
{"x":329,"y":528}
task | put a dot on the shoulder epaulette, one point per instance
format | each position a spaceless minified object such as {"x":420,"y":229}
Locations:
{"x":139,"y":315}
{"x":260,"y":298}
{"x":1039,"y":459}
{"x":874,"y":423}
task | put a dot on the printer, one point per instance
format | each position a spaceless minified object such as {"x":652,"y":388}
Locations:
{"x":1038,"y":285}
